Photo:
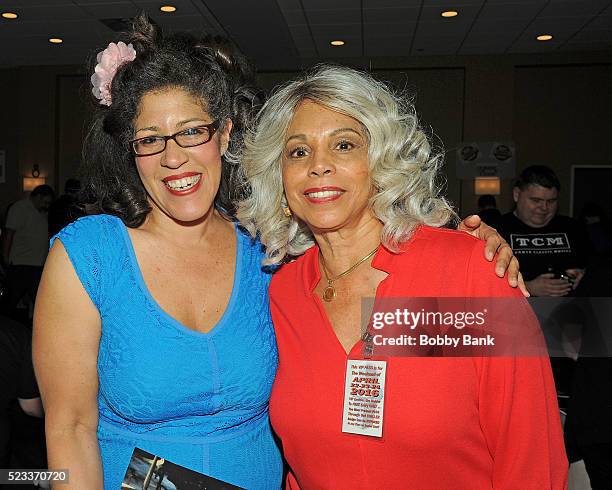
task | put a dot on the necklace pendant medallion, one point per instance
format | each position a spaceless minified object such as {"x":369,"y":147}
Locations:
{"x":329,"y":293}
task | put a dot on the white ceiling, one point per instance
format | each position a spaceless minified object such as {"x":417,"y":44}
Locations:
{"x":282,"y":33}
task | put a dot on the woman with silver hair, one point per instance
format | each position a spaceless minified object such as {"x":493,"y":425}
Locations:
{"x":344,"y":181}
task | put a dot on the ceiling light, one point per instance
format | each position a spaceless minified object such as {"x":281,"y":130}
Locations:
{"x":56,"y":40}
{"x":337,"y":42}
{"x":544,"y":37}
{"x":167,"y":8}
{"x":449,"y":13}
{"x":9,"y":15}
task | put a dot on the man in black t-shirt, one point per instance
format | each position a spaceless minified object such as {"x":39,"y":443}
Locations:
{"x":552,"y":255}
{"x":550,"y":248}
{"x":552,"y":251}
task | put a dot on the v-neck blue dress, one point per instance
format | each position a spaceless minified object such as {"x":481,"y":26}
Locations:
{"x":197,"y":399}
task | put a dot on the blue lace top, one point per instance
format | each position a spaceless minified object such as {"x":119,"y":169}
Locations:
{"x":197,"y":399}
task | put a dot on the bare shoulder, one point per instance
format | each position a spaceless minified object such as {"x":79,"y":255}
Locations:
{"x":63,"y":306}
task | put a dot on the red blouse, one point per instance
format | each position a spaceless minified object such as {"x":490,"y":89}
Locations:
{"x":449,"y":423}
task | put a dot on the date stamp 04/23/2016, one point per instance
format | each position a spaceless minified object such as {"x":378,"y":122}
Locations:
{"x":32,"y":477}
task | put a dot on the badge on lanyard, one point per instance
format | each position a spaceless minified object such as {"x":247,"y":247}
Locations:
{"x":364,"y":397}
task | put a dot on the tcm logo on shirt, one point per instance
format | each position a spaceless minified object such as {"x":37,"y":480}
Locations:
{"x":540,"y":242}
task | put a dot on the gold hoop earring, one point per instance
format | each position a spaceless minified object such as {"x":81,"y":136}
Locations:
{"x":287,"y":212}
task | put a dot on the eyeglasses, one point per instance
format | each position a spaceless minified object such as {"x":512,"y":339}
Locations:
{"x":152,"y":145}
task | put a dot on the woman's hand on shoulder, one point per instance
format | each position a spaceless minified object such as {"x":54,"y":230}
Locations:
{"x":495,"y":246}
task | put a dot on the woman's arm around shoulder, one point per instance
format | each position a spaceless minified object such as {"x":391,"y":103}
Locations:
{"x":66,"y":340}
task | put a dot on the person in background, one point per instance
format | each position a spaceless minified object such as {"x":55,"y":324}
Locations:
{"x":551,"y":248}
{"x":18,"y":383}
{"x":588,"y":427}
{"x":64,"y":210}
{"x":598,"y":282}
{"x":553,"y":252}
{"x":25,"y":243}
{"x":487,"y":210}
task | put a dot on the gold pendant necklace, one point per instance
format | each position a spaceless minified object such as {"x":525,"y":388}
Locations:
{"x":329,"y":293}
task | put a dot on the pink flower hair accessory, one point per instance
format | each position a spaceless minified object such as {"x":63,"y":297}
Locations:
{"x":109,"y":62}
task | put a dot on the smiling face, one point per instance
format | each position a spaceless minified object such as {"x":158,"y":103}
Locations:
{"x":325,"y":169}
{"x":180,"y":182}
{"x":536,"y":205}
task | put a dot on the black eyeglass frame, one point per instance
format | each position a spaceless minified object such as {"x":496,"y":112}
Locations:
{"x":212,"y":129}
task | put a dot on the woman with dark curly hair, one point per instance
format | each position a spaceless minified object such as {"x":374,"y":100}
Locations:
{"x":152,"y":327}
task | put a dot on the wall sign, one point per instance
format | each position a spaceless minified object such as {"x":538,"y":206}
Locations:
{"x":486,"y":159}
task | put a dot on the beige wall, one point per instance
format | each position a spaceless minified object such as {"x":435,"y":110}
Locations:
{"x":438,"y":97}
{"x":9,"y":134}
{"x":563,"y":117}
{"x":28,"y":126}
{"x":73,"y":118}
{"x":554,"y":107}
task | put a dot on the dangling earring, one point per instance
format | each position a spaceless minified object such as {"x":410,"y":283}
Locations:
{"x":287,"y":211}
